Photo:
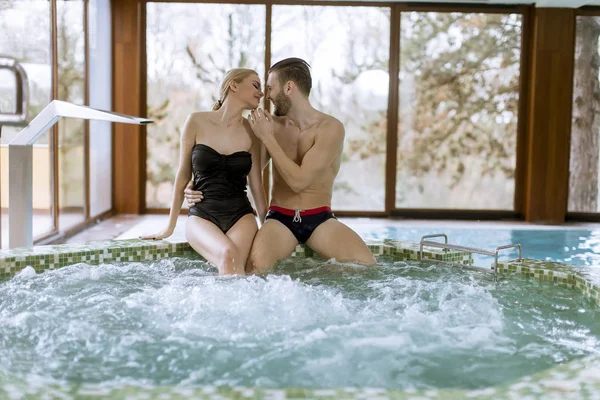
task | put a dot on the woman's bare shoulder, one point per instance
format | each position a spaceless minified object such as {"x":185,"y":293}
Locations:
{"x":199,"y":116}
{"x":195,"y":125}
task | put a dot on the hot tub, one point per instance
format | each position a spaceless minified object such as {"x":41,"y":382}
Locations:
{"x":122,"y":318}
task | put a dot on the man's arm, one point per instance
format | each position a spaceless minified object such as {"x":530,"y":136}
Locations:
{"x":315,"y":162}
{"x":192,"y":196}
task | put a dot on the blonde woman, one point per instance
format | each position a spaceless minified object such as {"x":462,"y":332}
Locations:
{"x":219,"y":151}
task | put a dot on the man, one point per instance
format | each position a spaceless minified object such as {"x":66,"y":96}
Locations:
{"x":305,"y":146}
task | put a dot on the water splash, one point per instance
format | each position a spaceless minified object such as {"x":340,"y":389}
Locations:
{"x":311,"y":324}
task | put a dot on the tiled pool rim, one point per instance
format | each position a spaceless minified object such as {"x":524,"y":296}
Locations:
{"x":577,"y":379}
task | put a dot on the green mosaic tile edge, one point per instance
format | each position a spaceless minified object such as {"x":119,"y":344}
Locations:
{"x":586,"y":280}
{"x":44,"y":258}
{"x":400,"y":250}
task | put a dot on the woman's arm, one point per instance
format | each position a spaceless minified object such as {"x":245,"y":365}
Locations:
{"x":265,"y":157}
{"x":184,"y":174}
{"x":255,"y":178}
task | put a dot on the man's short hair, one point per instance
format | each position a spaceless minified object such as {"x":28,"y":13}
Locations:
{"x":296,"y":70}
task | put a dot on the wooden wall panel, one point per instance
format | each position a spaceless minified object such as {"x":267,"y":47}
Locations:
{"x":391,"y":161}
{"x":547,"y":168}
{"x":129,"y":144}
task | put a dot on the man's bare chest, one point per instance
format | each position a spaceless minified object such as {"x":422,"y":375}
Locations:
{"x":296,"y":145}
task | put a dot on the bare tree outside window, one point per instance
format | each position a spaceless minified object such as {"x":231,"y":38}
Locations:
{"x":189,"y":49}
{"x":459,"y":96}
{"x":348,"y":49}
{"x":71,"y":88}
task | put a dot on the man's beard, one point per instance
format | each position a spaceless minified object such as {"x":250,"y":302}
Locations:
{"x":282,"y":104}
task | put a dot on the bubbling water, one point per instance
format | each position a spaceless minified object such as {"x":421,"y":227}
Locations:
{"x":310,"y":324}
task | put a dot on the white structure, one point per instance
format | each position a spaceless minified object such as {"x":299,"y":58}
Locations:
{"x":20,"y":158}
{"x":22,"y":99}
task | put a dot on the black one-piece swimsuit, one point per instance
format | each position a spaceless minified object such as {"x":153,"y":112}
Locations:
{"x":222,"y":180}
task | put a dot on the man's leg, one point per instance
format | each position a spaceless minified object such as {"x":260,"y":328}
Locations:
{"x":272,"y":243}
{"x":332,"y":239}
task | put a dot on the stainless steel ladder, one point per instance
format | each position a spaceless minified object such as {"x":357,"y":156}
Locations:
{"x":19,"y":116}
{"x":446,"y":245}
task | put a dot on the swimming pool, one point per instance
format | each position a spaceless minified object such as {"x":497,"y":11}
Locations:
{"x":570,"y":246}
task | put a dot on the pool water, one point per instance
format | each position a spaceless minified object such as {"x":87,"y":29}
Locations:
{"x":310,"y":324}
{"x":570,"y":246}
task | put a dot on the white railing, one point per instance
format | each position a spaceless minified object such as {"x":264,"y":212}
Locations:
{"x":20,"y":159}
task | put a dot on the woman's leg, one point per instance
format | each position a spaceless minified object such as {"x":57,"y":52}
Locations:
{"x":212,"y":244}
{"x":242,"y":234}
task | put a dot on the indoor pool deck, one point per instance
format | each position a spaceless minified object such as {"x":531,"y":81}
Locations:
{"x":577,"y":379}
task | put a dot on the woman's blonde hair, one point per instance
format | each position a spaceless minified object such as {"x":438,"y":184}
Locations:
{"x":233,"y":75}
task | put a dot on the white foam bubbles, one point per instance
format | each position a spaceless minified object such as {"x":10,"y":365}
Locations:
{"x":27,"y":272}
{"x":312,"y":323}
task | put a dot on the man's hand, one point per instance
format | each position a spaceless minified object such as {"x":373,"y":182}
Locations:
{"x":261,"y":123}
{"x":192,"y":196}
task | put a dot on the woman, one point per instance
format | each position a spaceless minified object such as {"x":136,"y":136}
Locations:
{"x":223,"y":151}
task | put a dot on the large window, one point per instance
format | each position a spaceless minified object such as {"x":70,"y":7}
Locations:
{"x":585,"y":128}
{"x":459,"y":95}
{"x":71,"y":132}
{"x":190,"y":47}
{"x":348,"y":49}
{"x":26,"y":34}
{"x":32,"y":48}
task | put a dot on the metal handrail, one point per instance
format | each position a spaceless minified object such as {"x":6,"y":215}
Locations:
{"x":448,"y":246}
{"x":20,"y":114}
{"x":20,"y":153}
{"x":436,"y":235}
